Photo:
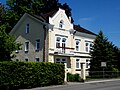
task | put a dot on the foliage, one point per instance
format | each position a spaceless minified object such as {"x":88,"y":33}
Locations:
{"x":7,"y":45}
{"x":16,"y":75}
{"x":15,"y":9}
{"x":103,"y":51}
{"x":73,"y":77}
{"x":2,"y":10}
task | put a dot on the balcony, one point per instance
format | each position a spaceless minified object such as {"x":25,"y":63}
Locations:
{"x":65,"y":50}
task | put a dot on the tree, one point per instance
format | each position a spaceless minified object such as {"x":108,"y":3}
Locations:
{"x":7,"y":45}
{"x":103,"y":51}
{"x":13,"y":11}
{"x":2,"y":12}
{"x":16,"y":8}
{"x":67,"y":9}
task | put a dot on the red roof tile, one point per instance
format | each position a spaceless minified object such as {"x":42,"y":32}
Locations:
{"x":49,"y":14}
{"x":80,"y":29}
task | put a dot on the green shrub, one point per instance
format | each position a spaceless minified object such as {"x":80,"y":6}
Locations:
{"x":14,"y":75}
{"x":73,"y":77}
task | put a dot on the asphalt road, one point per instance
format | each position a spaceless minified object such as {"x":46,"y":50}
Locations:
{"x":109,"y":85}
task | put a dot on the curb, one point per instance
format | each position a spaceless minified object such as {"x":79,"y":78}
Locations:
{"x":71,"y":84}
{"x":104,"y":80}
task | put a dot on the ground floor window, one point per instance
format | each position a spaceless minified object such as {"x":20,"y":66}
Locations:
{"x":78,"y":64}
{"x":60,"y":60}
{"x":37,"y":59}
{"x":26,"y":59}
{"x":87,"y":63}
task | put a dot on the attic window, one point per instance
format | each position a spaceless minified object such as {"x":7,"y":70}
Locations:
{"x":27,"y":28}
{"x":61,"y":24}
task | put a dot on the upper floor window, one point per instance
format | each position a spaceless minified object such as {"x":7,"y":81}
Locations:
{"x":37,"y":44}
{"x":58,"y":42}
{"x":61,"y":24}
{"x":77,"y":45}
{"x":61,"y":43}
{"x":88,"y":46}
{"x":26,"y":46}
{"x":78,"y":64}
{"x":27,"y":28}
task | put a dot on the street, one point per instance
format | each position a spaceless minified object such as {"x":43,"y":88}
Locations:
{"x":109,"y":85}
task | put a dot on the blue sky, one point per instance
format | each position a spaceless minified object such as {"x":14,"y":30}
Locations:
{"x":96,"y":15}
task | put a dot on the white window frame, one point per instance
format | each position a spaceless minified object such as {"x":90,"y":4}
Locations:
{"x":61,"y":60}
{"x":27,"y":28}
{"x":78,"y":64}
{"x":87,"y":63}
{"x":38,"y":59}
{"x":27,"y":46}
{"x":26,"y":59}
{"x":88,"y":46}
{"x":58,"y":39}
{"x":37,"y":44}
{"x":61,"y":43}
{"x":61,"y":24}
{"x":77,"y":46}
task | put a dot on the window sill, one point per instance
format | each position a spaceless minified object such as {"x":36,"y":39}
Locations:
{"x":37,"y":50}
{"x":78,"y":70}
{"x":62,"y":29}
{"x":26,"y":51}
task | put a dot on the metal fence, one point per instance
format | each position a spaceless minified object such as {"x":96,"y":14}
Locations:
{"x":104,"y":74}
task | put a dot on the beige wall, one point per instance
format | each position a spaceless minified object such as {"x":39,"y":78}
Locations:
{"x":70,"y":42}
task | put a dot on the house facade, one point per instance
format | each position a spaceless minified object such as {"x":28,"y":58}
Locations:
{"x":32,"y":33}
{"x":56,"y":38}
{"x":68,"y":43}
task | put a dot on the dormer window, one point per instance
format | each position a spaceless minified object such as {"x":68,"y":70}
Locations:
{"x":61,"y":24}
{"x":27,"y":28}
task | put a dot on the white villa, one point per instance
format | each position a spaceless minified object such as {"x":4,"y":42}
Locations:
{"x":53,"y":38}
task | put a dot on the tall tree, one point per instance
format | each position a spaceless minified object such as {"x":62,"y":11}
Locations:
{"x":67,"y":9}
{"x":16,"y":8}
{"x":2,"y":12}
{"x":7,"y":45}
{"x":102,"y":51}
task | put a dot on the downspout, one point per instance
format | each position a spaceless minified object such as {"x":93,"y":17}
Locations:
{"x":44,"y":49}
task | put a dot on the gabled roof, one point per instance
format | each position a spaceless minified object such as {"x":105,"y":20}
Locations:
{"x":35,"y":17}
{"x":83,"y":30}
{"x":38,"y":17}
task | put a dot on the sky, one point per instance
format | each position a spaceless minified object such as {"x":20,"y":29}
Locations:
{"x":96,"y":15}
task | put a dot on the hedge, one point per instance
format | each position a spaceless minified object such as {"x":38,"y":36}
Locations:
{"x":16,"y":75}
{"x":73,"y":77}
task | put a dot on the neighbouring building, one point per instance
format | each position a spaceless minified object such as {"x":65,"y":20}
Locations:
{"x":32,"y":32}
{"x":53,"y":38}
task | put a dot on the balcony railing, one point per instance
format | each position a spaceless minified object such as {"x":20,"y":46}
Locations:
{"x":63,"y":50}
